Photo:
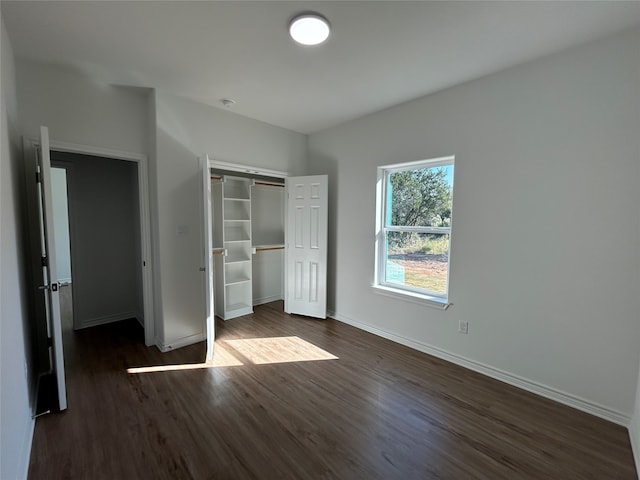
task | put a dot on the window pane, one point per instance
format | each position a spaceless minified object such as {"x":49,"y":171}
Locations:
{"x":420,"y":197}
{"x":418,"y":260}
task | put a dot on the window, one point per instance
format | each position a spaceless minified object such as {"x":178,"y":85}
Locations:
{"x":414,"y":228}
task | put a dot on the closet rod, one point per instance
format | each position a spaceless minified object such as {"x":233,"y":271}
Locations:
{"x":269,"y":184}
{"x":264,"y":249}
{"x":213,"y":177}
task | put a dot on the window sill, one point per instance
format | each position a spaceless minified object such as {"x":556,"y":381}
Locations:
{"x":421,"y":299}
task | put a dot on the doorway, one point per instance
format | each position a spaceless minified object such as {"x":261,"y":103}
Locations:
{"x":46,"y":330}
{"x":99,"y":250}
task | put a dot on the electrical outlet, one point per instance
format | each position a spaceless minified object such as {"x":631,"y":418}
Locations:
{"x":463,"y":327}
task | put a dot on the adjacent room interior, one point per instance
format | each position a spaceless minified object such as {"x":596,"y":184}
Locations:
{"x":411,"y":250}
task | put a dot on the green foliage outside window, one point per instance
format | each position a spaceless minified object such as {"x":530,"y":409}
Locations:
{"x":421,"y":198}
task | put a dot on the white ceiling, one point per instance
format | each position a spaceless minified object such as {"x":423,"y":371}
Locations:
{"x":380,"y":53}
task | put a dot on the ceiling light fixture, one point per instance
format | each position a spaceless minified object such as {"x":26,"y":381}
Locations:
{"x":309,"y":29}
{"x":228,"y":102}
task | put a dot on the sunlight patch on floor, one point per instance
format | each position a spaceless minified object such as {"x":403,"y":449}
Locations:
{"x":261,"y":351}
{"x":250,"y":351}
{"x":169,"y":368}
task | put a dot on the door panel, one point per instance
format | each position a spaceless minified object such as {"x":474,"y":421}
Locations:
{"x":314,"y":228}
{"x":306,"y":245}
{"x":49,"y":272}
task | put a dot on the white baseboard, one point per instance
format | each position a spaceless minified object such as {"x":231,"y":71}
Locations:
{"x":515,"y":380}
{"x":181,"y":342}
{"x":25,"y":454}
{"x":273,"y":298}
{"x":94,"y":322}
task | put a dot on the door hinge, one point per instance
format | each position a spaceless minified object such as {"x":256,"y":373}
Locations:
{"x":49,"y":341}
{"x":44,"y":261}
{"x":38,"y":177}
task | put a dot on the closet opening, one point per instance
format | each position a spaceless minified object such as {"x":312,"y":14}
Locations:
{"x":268,"y":237}
{"x":266,"y":241}
{"x":248,"y":241}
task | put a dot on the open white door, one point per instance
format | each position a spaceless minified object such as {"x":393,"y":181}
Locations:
{"x":306,"y":246}
{"x":50,"y":284}
{"x":208,"y":256}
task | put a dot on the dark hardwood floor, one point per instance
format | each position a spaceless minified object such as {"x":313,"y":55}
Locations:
{"x":277,"y":404}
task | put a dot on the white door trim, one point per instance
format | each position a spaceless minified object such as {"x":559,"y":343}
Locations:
{"x":207,"y":237}
{"x":145,"y":219}
{"x":236,"y":167}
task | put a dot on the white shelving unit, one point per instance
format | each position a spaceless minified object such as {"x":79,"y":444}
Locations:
{"x":232,"y":238}
{"x":248,"y":239}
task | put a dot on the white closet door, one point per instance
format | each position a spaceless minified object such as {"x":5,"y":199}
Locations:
{"x":306,"y":246}
{"x":208,"y":257}
{"x":49,"y":273}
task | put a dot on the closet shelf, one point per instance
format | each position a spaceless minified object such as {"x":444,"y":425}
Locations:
{"x":236,"y":235}
{"x":231,"y":280}
{"x":268,"y":184}
{"x":238,"y":306}
{"x":236,"y":259}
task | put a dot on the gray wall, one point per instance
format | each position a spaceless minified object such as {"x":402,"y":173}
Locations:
{"x":105,"y":238}
{"x":16,"y":387}
{"x":545,"y":255}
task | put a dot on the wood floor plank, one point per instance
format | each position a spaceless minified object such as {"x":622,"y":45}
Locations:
{"x":293,"y":398}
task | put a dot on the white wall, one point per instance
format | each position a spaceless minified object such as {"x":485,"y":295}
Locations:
{"x":185,"y":131}
{"x":16,"y":425}
{"x":61,"y":223}
{"x":267,"y":228}
{"x":105,"y":237}
{"x":545,"y":247}
{"x":267,"y":275}
{"x":80,"y":110}
{"x":158,"y":331}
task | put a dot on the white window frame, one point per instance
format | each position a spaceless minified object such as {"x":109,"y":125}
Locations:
{"x":405,"y":292}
